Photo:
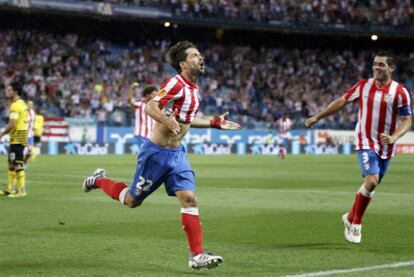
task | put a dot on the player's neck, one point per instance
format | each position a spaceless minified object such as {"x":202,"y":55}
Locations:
{"x":15,"y":98}
{"x":382,"y":84}
{"x":190,"y":78}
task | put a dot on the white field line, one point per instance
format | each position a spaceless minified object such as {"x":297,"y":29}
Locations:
{"x":351,"y":270}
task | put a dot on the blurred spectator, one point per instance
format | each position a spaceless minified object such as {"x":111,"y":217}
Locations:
{"x":79,"y":77}
{"x":344,"y":13}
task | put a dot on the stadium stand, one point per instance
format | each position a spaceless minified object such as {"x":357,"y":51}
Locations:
{"x":75,"y":74}
{"x":399,"y":13}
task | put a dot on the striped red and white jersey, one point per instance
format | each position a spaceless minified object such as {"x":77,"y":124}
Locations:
{"x":143,"y":122}
{"x":379,"y":110}
{"x":284,"y":126}
{"x":181,"y":95}
{"x":31,"y":119}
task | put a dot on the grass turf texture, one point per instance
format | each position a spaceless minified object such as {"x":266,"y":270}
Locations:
{"x":266,"y":217}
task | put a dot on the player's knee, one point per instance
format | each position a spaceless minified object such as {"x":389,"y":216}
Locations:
{"x":131,"y":202}
{"x":191,"y":201}
{"x":371,"y":182}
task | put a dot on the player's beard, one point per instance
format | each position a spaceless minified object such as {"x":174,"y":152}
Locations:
{"x":197,"y":71}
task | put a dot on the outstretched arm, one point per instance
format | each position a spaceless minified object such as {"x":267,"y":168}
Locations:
{"x":218,"y":122}
{"x":332,"y":108}
{"x":404,"y":127}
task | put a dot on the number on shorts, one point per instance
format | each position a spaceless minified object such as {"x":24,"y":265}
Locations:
{"x":143,"y":185}
{"x":365,"y":160}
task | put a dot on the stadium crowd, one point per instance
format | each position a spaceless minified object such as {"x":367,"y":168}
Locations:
{"x":82,"y":77}
{"x":344,"y":13}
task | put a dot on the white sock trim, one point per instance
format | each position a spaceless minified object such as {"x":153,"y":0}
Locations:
{"x":192,"y":211}
{"x":123,"y":194}
{"x":365,"y":192}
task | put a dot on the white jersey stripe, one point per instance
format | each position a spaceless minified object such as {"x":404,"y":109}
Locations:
{"x":186,"y":104}
{"x":364,"y":108}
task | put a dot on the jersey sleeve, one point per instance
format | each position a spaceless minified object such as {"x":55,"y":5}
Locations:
{"x":355,"y":92}
{"x":404,"y":102}
{"x":171,"y":90}
{"x":14,"y":111}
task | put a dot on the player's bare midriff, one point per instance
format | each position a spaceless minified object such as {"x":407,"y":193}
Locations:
{"x":162,"y":136}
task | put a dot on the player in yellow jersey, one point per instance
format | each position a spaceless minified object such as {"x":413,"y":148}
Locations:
{"x":18,"y":129}
{"x":38,"y":131}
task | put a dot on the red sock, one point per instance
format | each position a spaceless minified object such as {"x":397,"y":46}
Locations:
{"x":282,"y":153}
{"x":361,"y":205}
{"x":352,"y":211}
{"x":111,"y":188}
{"x":192,"y":227}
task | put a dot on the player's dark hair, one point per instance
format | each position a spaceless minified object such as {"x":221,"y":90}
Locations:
{"x":177,"y":53}
{"x":17,"y":86}
{"x":389,"y":57}
{"x":148,"y":90}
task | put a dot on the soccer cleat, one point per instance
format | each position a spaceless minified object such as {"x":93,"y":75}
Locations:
{"x":204,"y":260}
{"x":17,"y":195}
{"x":89,"y":182}
{"x":356,"y":233}
{"x":7,"y":192}
{"x":348,"y":227}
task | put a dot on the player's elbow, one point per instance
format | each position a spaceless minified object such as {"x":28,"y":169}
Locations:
{"x":407,"y":121}
{"x":11,"y":125}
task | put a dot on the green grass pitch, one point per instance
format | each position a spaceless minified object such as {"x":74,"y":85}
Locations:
{"x":266,"y":217}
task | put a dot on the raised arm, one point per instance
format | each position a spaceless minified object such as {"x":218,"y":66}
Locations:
{"x":332,"y":108}
{"x":131,"y":92}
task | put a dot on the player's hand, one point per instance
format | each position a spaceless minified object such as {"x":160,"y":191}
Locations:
{"x":134,"y":85}
{"x":310,"y":121}
{"x":172,"y":123}
{"x":220,"y":122}
{"x":387,"y":139}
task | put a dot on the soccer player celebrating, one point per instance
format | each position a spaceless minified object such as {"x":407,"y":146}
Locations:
{"x":162,"y":159}
{"x":384,"y":116}
{"x":143,"y":122}
{"x":18,"y":129}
